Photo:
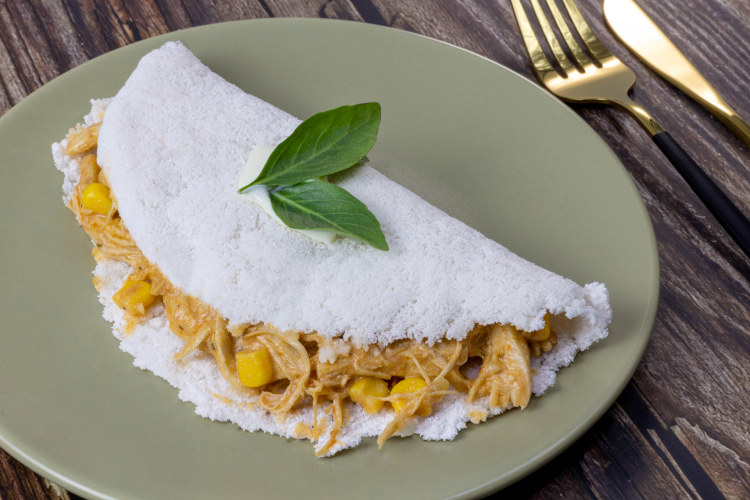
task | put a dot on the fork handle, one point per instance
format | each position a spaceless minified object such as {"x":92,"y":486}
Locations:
{"x":726,"y":212}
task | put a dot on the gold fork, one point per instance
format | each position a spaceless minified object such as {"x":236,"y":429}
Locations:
{"x":595,"y":75}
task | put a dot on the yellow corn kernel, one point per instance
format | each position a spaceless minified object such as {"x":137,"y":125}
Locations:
{"x":544,"y":333}
{"x":255,"y":368}
{"x":96,"y":198}
{"x":83,"y":140}
{"x":134,"y":296}
{"x":366,"y":392}
{"x":409,"y":385}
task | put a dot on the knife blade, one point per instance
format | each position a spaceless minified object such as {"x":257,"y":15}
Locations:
{"x":644,"y":38}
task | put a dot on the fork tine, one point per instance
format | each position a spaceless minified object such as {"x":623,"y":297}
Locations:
{"x":596,"y":48}
{"x":578,"y":53}
{"x":538,"y":58}
{"x":549,"y":34}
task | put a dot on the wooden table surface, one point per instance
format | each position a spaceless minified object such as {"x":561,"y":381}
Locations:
{"x":681,"y":428}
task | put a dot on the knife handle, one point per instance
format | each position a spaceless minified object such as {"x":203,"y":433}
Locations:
{"x":726,"y":212}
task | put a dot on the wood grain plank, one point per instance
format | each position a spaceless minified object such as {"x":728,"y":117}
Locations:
{"x":681,"y":428}
{"x":18,"y":72}
{"x":673,"y":453}
{"x":7,"y":80}
{"x":144,"y":19}
{"x":476,"y":26}
{"x":341,"y":9}
{"x":35,"y":53}
{"x":200,"y":13}
{"x":729,"y":470}
{"x":18,"y":482}
{"x":88,"y":30}
{"x":61,"y":46}
{"x":115,"y":24}
{"x":175,"y":16}
{"x":281,"y":8}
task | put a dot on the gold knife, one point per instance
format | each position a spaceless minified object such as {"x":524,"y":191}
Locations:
{"x":636,"y":30}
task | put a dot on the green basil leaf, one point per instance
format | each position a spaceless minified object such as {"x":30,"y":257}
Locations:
{"x":324,"y":144}
{"x":325,"y":206}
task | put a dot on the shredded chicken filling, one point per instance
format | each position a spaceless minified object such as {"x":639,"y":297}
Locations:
{"x":307,"y":368}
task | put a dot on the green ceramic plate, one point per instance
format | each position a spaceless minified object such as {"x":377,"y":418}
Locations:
{"x":467,"y":134}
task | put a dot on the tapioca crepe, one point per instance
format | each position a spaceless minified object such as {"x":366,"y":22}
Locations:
{"x":173,"y":143}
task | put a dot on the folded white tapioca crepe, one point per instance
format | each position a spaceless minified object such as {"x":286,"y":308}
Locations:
{"x":262,"y":326}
